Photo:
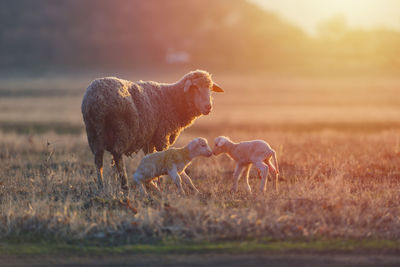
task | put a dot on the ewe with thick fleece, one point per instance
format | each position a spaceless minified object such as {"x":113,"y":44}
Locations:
{"x":245,"y":154}
{"x":173,"y":162}
{"x":124,"y":117}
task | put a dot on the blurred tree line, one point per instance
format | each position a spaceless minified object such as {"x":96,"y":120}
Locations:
{"x":218,"y":34}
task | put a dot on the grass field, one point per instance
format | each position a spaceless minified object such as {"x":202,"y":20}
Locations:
{"x":338,"y":145}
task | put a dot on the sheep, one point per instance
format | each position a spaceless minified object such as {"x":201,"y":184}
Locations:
{"x":257,"y":152}
{"x":173,"y":162}
{"x":124,"y":117}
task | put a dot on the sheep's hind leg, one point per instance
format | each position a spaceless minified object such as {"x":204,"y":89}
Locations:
{"x":119,"y":163}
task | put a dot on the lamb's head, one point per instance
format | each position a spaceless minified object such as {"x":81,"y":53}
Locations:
{"x":199,"y":147}
{"x":219,"y":145}
{"x":198,"y":86}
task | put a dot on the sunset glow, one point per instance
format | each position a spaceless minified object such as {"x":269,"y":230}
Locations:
{"x":359,"y":13}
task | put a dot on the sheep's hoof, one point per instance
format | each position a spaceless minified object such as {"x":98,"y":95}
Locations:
{"x":125,"y":188}
{"x":100,"y":186}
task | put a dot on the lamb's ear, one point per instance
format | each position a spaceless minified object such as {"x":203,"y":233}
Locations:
{"x":222,"y":141}
{"x":187,"y":86}
{"x":216,"y":88}
{"x":219,"y":141}
{"x":192,"y":144}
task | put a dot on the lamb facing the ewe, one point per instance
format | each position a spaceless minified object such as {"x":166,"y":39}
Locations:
{"x":173,"y":162}
{"x":245,"y":154}
{"x":123,"y":117}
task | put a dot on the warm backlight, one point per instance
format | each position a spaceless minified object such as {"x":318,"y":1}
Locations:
{"x":359,"y":13}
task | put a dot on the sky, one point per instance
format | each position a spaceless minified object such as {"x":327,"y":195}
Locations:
{"x":365,"y":14}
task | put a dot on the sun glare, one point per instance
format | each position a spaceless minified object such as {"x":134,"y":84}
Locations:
{"x":358,"y":13}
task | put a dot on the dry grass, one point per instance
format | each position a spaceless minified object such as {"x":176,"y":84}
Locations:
{"x":336,"y":181}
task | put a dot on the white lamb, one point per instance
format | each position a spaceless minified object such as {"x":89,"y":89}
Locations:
{"x":173,"y":162}
{"x":245,"y":154}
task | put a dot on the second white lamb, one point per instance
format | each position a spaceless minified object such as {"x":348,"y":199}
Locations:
{"x":247,"y":153}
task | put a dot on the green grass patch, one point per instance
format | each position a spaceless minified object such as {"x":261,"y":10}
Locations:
{"x":336,"y":245}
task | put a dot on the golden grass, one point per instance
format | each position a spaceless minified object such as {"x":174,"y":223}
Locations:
{"x":333,"y":185}
{"x":338,"y":179}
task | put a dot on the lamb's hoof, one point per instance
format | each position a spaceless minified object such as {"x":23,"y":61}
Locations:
{"x":195,"y":191}
{"x":233,"y":192}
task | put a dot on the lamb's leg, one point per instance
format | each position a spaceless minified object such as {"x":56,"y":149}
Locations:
{"x":246,"y":176}
{"x":119,"y":163}
{"x":236,"y":176}
{"x":98,"y":161}
{"x":176,"y":178}
{"x":263,"y":172}
{"x":138,"y":179}
{"x":153,"y":185}
{"x":188,"y":181}
{"x":274,"y":171}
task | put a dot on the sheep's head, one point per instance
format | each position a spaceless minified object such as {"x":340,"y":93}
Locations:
{"x":198,"y":84}
{"x":219,"y":144}
{"x":199,"y":147}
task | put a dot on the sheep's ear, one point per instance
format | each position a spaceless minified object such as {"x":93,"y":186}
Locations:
{"x":216,"y":88}
{"x":187,"y":86}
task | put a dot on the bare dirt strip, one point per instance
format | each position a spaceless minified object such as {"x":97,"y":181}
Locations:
{"x":209,"y":259}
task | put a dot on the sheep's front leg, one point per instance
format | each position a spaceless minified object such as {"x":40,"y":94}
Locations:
{"x":263,"y":173}
{"x":236,"y":176}
{"x":189,"y":182}
{"x":173,"y":173}
{"x":246,"y":176}
{"x":98,"y":159}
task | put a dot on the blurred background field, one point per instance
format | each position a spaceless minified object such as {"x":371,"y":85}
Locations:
{"x":327,"y":102}
{"x":263,"y":101}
